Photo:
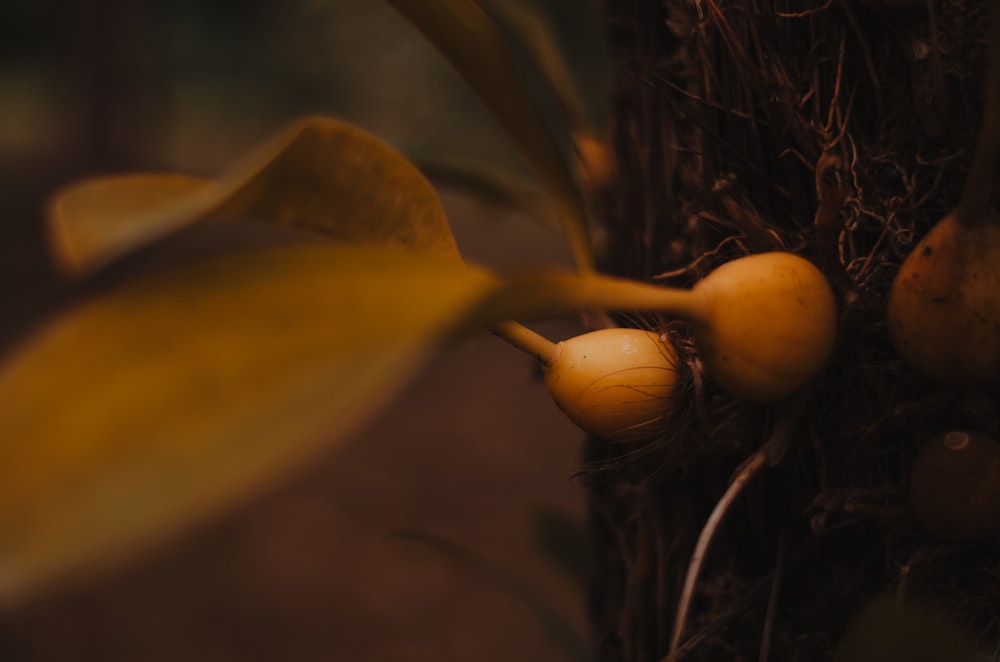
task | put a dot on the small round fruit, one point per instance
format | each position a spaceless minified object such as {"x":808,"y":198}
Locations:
{"x":955,"y":486}
{"x":770,"y":327}
{"x":616,"y":384}
{"x":944,"y":308}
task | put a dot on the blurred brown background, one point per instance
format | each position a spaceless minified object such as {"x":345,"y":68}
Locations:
{"x":471,"y":453}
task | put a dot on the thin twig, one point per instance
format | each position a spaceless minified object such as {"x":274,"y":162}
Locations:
{"x":807,"y":13}
{"x":772,"y":601}
{"x":750,"y":468}
{"x":770,"y":454}
{"x":937,"y":66}
{"x":740,"y":605}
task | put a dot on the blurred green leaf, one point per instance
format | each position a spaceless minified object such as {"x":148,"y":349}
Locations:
{"x":591,"y":153}
{"x":889,"y":630}
{"x":566,"y":543}
{"x":319,"y":174}
{"x":575,"y":48}
{"x":536,"y":36}
{"x":471,"y":42}
{"x":150,"y":408}
{"x":559,"y":629}
{"x":493,"y":184}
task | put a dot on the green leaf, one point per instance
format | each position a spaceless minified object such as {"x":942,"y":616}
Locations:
{"x":556,"y":625}
{"x":492,"y":184}
{"x":536,"y":35}
{"x":320,"y":175}
{"x":888,"y":629}
{"x":154,"y":407}
{"x":471,"y":42}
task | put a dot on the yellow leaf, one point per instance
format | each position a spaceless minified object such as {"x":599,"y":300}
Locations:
{"x":332,"y":178}
{"x":320,"y":175}
{"x":471,"y":42}
{"x":151,"y":408}
{"x":98,"y":219}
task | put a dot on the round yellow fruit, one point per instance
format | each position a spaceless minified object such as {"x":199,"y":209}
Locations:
{"x":944,"y":308}
{"x":616,"y":384}
{"x":769,"y":326}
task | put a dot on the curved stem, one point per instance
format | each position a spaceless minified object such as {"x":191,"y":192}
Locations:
{"x":756,"y":462}
{"x":528,"y":341}
{"x":983,"y":173}
{"x":770,"y":454}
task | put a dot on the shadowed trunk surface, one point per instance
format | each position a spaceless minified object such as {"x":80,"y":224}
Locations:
{"x":842,"y":131}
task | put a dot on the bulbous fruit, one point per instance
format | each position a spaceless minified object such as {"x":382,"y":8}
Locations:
{"x":770,"y":325}
{"x":616,"y":384}
{"x":955,"y":486}
{"x":944,"y":308}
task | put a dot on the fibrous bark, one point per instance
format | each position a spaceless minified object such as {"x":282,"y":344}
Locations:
{"x":840,"y":130}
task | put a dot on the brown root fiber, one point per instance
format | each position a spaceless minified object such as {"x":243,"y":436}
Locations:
{"x":840,"y":130}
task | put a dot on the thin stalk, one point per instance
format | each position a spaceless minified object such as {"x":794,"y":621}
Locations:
{"x":557,"y":293}
{"x":614,"y":294}
{"x":769,"y":455}
{"x":757,"y":462}
{"x":979,"y":185}
{"x":528,"y":341}
{"x":772,"y":601}
{"x":572,"y":293}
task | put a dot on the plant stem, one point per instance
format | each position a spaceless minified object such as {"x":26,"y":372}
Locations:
{"x":772,"y":601}
{"x":528,"y":341}
{"x":556,"y":293}
{"x":756,"y":462}
{"x":572,"y":293}
{"x":769,"y":455}
{"x":979,"y":185}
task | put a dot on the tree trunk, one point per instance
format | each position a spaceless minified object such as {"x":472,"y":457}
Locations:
{"x":840,"y":130}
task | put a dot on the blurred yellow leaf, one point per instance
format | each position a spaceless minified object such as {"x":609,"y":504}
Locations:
{"x":97,"y":219}
{"x":332,"y":178}
{"x":471,"y":42}
{"x":320,"y":175}
{"x":152,"y":407}
{"x":155,"y":406}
